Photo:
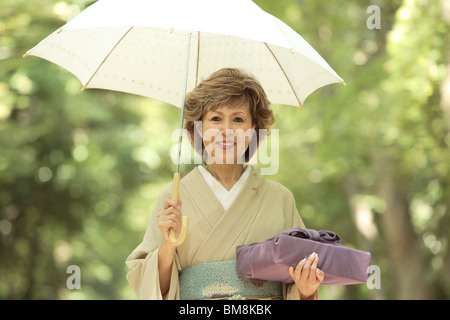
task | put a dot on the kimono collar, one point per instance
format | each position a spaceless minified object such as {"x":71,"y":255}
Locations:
{"x":226,"y":197}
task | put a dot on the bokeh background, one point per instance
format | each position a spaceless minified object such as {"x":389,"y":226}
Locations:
{"x":81,"y":171}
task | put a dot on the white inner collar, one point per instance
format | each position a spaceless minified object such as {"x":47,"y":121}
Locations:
{"x":225,"y":197}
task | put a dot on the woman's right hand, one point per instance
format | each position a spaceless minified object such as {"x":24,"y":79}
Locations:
{"x":170,"y":217}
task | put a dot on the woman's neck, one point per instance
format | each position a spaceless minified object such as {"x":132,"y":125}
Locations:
{"x":226,"y":174}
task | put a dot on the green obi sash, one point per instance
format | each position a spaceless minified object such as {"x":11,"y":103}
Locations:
{"x":219,"y":280}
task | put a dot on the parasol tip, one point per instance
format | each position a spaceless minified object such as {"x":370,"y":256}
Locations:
{"x":301,"y":106}
{"x":343,"y":82}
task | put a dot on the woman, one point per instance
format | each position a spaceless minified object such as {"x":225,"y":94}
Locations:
{"x":228,"y":204}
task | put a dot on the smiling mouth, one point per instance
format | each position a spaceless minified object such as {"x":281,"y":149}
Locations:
{"x":226,"y":144}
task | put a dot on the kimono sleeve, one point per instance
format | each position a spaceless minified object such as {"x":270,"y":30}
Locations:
{"x":142,"y":263}
{"x":291,"y":216}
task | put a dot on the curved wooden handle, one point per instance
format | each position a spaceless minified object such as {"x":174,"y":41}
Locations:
{"x":184,"y":219}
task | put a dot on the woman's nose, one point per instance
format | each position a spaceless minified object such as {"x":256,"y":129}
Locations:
{"x":226,"y":125}
{"x":226,"y":131}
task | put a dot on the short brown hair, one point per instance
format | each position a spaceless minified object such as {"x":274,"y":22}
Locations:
{"x":228,"y":86}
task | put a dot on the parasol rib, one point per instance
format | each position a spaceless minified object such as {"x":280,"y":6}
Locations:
{"x":107,"y":56}
{"x":183,"y":97}
{"x":284,"y":73}
{"x":198,"y":57}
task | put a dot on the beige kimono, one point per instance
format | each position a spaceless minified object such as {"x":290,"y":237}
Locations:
{"x":261,"y":210}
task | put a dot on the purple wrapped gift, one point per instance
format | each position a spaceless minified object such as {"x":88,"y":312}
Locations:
{"x":271,"y":259}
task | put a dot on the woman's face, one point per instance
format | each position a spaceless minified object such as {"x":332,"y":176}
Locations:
{"x":226,"y":133}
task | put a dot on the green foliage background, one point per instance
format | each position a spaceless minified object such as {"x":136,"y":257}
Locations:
{"x":81,"y":171}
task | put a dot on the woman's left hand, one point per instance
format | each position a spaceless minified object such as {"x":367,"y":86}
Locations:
{"x":307,"y":276}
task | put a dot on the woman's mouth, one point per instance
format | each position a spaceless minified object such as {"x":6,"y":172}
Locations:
{"x":226,"y":144}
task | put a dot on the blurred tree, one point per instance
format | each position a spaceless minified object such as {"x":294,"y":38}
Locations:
{"x":371,"y":159}
{"x":74,"y":167}
{"x":80,"y":172}
{"x":414,"y":160}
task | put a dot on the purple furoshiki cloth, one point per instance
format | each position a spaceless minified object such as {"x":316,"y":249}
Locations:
{"x":271,"y":259}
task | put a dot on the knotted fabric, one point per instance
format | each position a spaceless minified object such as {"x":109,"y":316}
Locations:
{"x":321,"y":236}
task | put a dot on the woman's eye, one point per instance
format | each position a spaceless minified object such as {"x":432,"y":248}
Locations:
{"x":238,"y":119}
{"x":215,"y":119}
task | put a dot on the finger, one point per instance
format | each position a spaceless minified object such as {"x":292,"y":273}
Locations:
{"x":300,"y":265}
{"x":320,"y":275}
{"x":171,"y":216}
{"x":173,"y":203}
{"x":168,"y":224}
{"x":170,"y":211}
{"x":313,"y":268}
{"x":307,"y":266}
{"x":165,"y":228}
{"x":291,"y":272}
{"x":168,"y":203}
{"x":297,"y":271}
{"x":166,"y":232}
{"x":309,"y":261}
{"x":168,"y":214}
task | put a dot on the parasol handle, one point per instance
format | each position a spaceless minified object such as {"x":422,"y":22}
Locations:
{"x":184,"y":219}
